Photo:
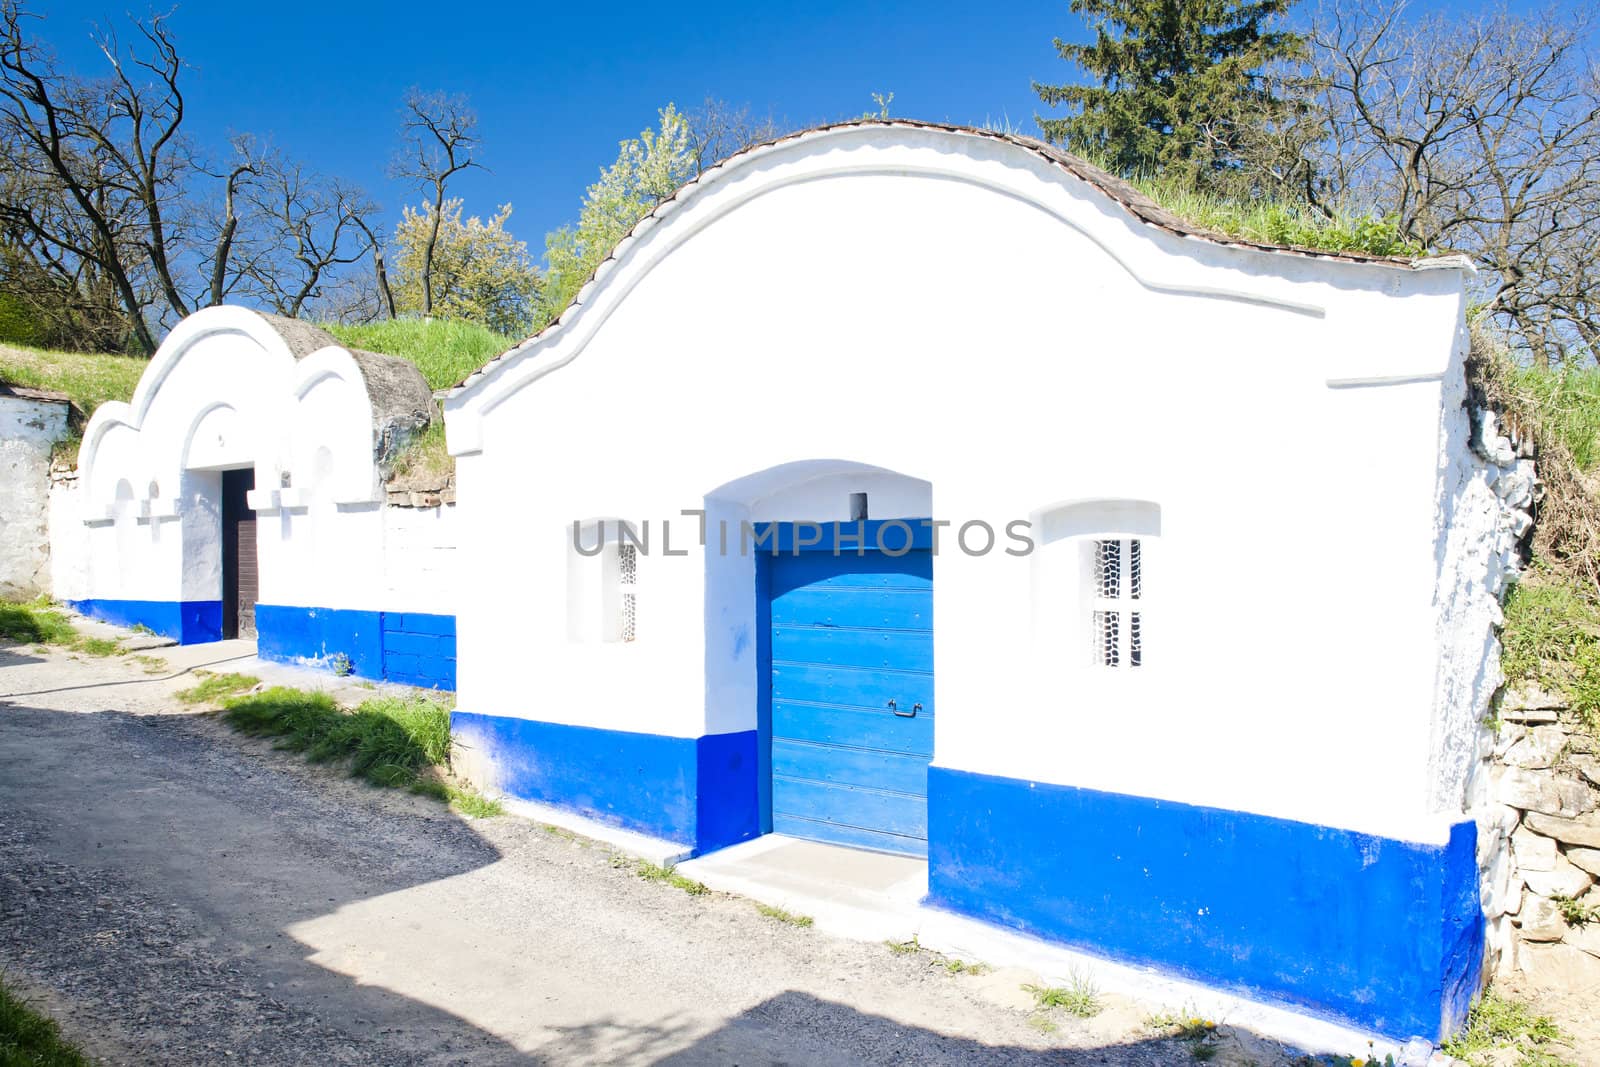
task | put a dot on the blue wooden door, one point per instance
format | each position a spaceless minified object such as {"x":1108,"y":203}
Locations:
{"x":852,"y":697}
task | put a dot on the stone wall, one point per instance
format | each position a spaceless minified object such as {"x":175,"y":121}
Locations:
{"x":30,"y":425}
{"x":1545,"y":776}
{"x":1536,"y":788}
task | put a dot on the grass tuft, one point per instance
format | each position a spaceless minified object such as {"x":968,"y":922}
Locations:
{"x":904,"y":948}
{"x":215,"y":688}
{"x":1078,"y":997}
{"x":474,"y":805}
{"x":1497,"y":1023}
{"x":783,"y":916}
{"x":151,"y":664}
{"x":963,"y":967}
{"x":653,"y":872}
{"x":97,"y":646}
{"x":29,"y":1039}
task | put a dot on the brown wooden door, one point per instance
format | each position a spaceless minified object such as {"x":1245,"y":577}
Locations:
{"x":240,"y":576}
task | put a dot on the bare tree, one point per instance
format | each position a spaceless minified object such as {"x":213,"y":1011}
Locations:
{"x":438,"y":137}
{"x":380,"y":273}
{"x":94,"y":161}
{"x":1477,"y":135}
{"x":305,"y":227}
{"x":718,"y":130}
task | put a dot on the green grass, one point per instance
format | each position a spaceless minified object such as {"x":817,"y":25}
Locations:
{"x":29,"y":1039}
{"x":1078,"y":997}
{"x":904,"y":948}
{"x":783,"y":916}
{"x":668,"y":875}
{"x":387,"y":741}
{"x":151,"y":664}
{"x":444,"y":350}
{"x":1274,"y":222}
{"x":41,"y":622}
{"x":35,"y":621}
{"x":473,"y":804}
{"x":1551,"y":636}
{"x":215,"y":688}
{"x":963,"y":967}
{"x":1497,"y":1023}
{"x":1567,"y":403}
{"x":88,"y":378}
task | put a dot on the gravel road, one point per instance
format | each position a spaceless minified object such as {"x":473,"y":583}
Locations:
{"x":174,"y":893}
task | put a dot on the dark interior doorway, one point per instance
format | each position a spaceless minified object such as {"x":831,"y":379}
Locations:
{"x":240,"y":575}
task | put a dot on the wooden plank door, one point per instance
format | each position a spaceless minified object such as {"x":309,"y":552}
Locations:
{"x":240,"y":574}
{"x":852,"y":698}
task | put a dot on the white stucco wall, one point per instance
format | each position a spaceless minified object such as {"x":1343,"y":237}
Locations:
{"x":965,"y":314}
{"x":28,"y":430}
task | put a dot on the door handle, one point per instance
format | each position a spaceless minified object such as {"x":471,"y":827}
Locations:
{"x":894,"y":706}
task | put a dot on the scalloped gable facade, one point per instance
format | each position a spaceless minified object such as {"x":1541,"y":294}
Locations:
{"x":138,"y":539}
{"x":959,"y":328}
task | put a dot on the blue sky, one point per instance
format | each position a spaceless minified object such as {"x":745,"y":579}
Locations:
{"x":556,"y":86}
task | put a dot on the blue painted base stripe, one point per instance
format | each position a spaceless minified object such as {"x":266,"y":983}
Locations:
{"x":409,"y":648}
{"x":696,"y":791}
{"x":189,"y":622}
{"x":1384,"y":934}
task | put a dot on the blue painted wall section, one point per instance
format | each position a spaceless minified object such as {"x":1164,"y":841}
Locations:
{"x":1384,"y":934}
{"x":697,"y":791}
{"x":419,"y":649}
{"x":410,"y":648}
{"x":188,"y":622}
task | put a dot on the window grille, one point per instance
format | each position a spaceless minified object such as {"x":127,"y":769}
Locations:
{"x":1118,"y":587}
{"x":627,"y":582}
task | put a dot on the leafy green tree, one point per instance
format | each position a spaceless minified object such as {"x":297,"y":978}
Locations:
{"x":479,"y":272}
{"x":1174,"y":84}
{"x":648,"y":170}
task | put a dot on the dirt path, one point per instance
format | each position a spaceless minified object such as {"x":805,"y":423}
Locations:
{"x":173,"y":892}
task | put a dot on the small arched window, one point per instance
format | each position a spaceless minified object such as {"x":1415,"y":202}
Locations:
{"x":603,"y":582}
{"x":1090,"y":587}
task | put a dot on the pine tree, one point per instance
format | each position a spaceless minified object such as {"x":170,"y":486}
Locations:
{"x":1178,"y":82}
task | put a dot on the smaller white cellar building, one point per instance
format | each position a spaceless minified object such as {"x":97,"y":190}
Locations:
{"x":923,"y":489}
{"x":241,"y":493}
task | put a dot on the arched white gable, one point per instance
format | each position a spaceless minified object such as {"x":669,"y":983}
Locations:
{"x":1156,"y":258}
{"x":224,"y":390}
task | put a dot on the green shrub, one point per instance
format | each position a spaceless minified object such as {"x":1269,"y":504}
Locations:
{"x":18,"y":324}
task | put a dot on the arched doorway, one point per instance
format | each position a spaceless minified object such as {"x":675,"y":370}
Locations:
{"x":840,"y":569}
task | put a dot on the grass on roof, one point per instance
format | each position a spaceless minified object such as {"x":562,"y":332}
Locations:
{"x":1275,"y":222}
{"x":444,"y":350}
{"x":88,"y":378}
